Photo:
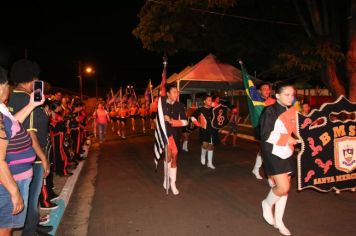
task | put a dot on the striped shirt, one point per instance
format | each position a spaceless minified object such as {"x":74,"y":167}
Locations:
{"x":19,"y":152}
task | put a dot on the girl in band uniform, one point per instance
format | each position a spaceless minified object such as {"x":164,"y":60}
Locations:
{"x":208,"y":135}
{"x":123,"y":114}
{"x":153,"y":112}
{"x":133,"y":114}
{"x":278,"y":123}
{"x":143,"y":114}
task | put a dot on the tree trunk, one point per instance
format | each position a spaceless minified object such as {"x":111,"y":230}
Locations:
{"x":351,"y":57}
{"x":332,"y":81}
{"x":351,"y":68}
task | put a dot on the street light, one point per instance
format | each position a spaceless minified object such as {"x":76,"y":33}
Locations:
{"x":89,"y":71}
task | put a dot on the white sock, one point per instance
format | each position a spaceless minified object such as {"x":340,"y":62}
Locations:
{"x":272,"y":198}
{"x":185,"y":145}
{"x":210,"y":159}
{"x":278,"y":214}
{"x":271,"y":182}
{"x":258,"y":162}
{"x":267,"y":205}
{"x":203,"y":154}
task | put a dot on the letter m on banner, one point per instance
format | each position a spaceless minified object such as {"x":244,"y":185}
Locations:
{"x":327,"y":160}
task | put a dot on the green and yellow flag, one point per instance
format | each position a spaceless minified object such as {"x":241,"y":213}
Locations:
{"x":256,"y":102}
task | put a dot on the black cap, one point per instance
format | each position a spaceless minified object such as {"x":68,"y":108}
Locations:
{"x":24,"y":70}
{"x":3,"y":75}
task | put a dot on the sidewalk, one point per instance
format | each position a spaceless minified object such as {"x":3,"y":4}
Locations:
{"x":64,"y":187}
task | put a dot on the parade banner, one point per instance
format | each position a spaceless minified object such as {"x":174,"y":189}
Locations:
{"x":327,"y":160}
{"x":220,"y":117}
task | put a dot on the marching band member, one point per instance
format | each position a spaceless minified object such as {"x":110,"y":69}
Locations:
{"x":113,"y":118}
{"x":208,"y":135}
{"x":175,"y":118}
{"x":153,"y":112}
{"x":74,"y":126}
{"x":278,"y":123}
{"x":57,"y":132}
{"x":233,"y":123}
{"x":143,"y":114}
{"x":123,"y":114}
{"x":133,"y":114}
{"x":187,"y":130}
{"x":215,"y":101}
{"x":265,"y":96}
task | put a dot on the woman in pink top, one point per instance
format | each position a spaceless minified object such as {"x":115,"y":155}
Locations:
{"x":16,"y":159}
{"x":101,"y":118}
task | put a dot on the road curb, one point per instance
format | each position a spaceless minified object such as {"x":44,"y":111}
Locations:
{"x":64,"y":197}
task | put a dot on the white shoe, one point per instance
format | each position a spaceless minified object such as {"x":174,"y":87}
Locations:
{"x":267,"y":213}
{"x":256,"y":172}
{"x":211,"y":166}
{"x":202,"y":156}
{"x":282,"y":229}
{"x":172,"y":177}
{"x":202,"y":161}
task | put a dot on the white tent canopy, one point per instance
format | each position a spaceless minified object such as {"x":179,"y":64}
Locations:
{"x":205,"y":76}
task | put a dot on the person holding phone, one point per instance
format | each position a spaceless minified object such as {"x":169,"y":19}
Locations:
{"x":16,"y":159}
{"x":23,"y":74}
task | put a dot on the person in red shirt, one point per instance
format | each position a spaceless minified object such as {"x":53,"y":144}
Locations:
{"x":133,"y":114}
{"x":153,"y":112}
{"x":101,"y":118}
{"x":143,"y":114}
{"x":123,"y":113}
{"x":113,"y":117}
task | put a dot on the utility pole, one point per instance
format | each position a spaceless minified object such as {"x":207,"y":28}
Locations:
{"x":80,"y":79}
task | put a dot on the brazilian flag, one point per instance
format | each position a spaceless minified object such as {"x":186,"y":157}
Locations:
{"x":255,"y":101}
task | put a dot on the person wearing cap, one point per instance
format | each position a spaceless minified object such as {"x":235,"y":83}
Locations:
{"x":22,"y":74}
{"x":16,"y":158}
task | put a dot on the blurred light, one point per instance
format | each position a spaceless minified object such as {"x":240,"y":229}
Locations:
{"x":89,"y":70}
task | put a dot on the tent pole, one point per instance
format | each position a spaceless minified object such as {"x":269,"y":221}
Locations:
{"x":178,"y":87}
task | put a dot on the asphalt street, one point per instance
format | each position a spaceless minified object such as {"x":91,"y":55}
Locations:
{"x":120,"y":193}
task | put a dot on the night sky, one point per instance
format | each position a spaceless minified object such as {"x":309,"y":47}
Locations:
{"x":58,"y":37}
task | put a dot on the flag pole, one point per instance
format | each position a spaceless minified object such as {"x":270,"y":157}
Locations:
{"x":150,"y":84}
{"x":120,"y":98}
{"x":165,"y":59}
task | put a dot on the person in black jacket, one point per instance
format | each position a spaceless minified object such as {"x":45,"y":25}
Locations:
{"x":278,"y":123}
{"x":208,"y":135}
{"x":175,"y":118}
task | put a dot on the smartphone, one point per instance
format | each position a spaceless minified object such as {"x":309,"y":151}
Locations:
{"x":38,"y":90}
